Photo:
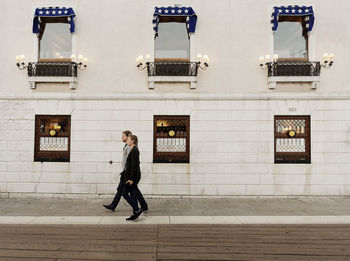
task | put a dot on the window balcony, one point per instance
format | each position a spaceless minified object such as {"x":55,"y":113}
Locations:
{"x":298,"y":68}
{"x":55,"y":72}
{"x":51,"y":69}
{"x":172,"y":72}
{"x":293,"y":71}
{"x":172,"y":69}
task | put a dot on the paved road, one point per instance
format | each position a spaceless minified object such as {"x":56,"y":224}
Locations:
{"x":175,"y":242}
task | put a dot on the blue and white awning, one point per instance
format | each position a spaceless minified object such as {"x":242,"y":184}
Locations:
{"x":53,"y":12}
{"x":191,"y":17}
{"x":293,"y":10}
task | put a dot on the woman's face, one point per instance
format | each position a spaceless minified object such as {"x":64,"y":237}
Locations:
{"x":129,"y":141}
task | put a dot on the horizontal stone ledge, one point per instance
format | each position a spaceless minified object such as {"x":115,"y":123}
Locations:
{"x":177,"y":96}
{"x":147,"y":219}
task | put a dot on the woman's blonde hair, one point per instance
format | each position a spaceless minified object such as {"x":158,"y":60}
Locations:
{"x":134,"y":139}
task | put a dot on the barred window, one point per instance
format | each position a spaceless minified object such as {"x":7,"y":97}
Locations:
{"x":52,"y":138}
{"x":292,"y":139}
{"x":171,"y":139}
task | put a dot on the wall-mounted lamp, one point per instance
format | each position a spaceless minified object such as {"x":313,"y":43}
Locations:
{"x":141,"y":63}
{"x":21,"y":62}
{"x":203,"y":61}
{"x":265,"y":60}
{"x":82,"y":61}
{"x":327,"y":60}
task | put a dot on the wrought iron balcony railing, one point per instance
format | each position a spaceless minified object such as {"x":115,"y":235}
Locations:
{"x":172,"y":68}
{"x":51,"y":69}
{"x":297,"y":68}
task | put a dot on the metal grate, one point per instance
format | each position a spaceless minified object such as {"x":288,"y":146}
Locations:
{"x":292,"y":139}
{"x":172,"y":69}
{"x":290,"y":145}
{"x":52,"y":138}
{"x":64,"y":69}
{"x":53,"y":144}
{"x":171,"y":145}
{"x":171,"y":139}
{"x":296,"y":68}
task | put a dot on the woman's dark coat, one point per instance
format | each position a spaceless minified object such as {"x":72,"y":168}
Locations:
{"x":132,"y":167}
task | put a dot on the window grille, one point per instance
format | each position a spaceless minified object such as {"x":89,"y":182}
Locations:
{"x":172,"y":69}
{"x":52,"y":138}
{"x":294,"y":68}
{"x":52,"y":69}
{"x":171,"y":139}
{"x":292,"y":139}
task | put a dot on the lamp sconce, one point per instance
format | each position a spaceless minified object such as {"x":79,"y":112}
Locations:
{"x":265,"y":60}
{"x":141,"y":63}
{"x":327,"y":60}
{"x":203,"y":61}
{"x":21,"y":62}
{"x":81,"y":62}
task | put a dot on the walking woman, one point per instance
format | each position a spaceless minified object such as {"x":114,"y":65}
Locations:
{"x":131,"y":177}
{"x":120,"y":187}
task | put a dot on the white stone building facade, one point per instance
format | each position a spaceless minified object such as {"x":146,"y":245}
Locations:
{"x":231,"y":105}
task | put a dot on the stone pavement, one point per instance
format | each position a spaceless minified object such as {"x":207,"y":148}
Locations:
{"x":177,"y":229}
{"x":194,"y":210}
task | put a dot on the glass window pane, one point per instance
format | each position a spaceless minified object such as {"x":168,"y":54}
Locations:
{"x":56,"y":41}
{"x":289,"y":41}
{"x":172,"y":41}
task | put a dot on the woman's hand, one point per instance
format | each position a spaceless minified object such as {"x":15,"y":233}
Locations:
{"x":130,"y":182}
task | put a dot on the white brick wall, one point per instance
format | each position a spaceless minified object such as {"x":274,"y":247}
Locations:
{"x":60,"y":188}
{"x":3,"y":188}
{"x":20,"y":187}
{"x":82,"y":188}
{"x":231,"y":150}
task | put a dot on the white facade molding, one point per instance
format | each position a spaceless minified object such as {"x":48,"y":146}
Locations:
{"x":273,"y":80}
{"x":153,"y":79}
{"x":177,"y":96}
{"x":71,"y":80}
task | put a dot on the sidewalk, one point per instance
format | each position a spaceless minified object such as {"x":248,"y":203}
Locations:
{"x":253,"y":210}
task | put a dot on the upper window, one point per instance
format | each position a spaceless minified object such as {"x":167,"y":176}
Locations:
{"x":54,"y":27}
{"x":291,"y":25}
{"x":55,"y":40}
{"x":173,"y":27}
{"x":173,"y":41}
{"x":52,"y":138}
{"x":291,"y":39}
